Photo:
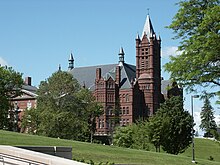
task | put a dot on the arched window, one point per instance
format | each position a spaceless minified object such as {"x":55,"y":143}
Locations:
{"x":127,"y":98}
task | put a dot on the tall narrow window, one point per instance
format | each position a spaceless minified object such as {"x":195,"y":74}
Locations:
{"x":127,"y":98}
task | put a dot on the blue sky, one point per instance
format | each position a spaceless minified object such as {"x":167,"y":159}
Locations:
{"x":38,"y":35}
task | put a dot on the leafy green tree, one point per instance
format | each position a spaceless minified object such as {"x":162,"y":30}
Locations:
{"x":114,"y":120}
{"x":155,"y":131}
{"x":140,"y":135}
{"x":132,"y":136}
{"x":123,"y":137}
{"x":92,"y":109}
{"x":197,"y":24}
{"x":30,"y":121}
{"x":64,"y":108}
{"x":10,"y":87}
{"x":171,"y":127}
{"x":208,"y":123}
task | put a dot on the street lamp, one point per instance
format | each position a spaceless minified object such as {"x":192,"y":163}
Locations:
{"x":193,"y":145}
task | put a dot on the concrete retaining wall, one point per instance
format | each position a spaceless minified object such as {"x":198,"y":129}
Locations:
{"x":63,"y":152}
{"x":28,"y":155}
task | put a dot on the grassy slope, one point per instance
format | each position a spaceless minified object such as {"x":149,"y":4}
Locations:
{"x":100,"y":153}
{"x":204,"y":148}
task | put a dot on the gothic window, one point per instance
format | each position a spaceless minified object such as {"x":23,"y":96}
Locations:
{"x":142,"y":64}
{"x":148,"y":86}
{"x":124,"y":122}
{"x":123,"y":111}
{"x":101,"y":123}
{"x":123,"y":97}
{"x":146,"y":51}
{"x":147,"y":62}
{"x":109,"y":111}
{"x":127,"y":110}
{"x":127,"y":121}
{"x":127,"y":98}
{"x":120,"y":122}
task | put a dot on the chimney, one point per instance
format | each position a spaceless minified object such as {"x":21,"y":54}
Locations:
{"x":98,"y":73}
{"x":27,"y":81}
{"x":118,"y":75}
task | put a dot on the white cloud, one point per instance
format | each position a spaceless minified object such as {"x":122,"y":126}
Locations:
{"x":171,"y":50}
{"x":197,"y":121}
{"x":217,"y":119}
{"x":3,"y":62}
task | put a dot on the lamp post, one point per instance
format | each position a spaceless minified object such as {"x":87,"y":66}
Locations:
{"x":193,"y":145}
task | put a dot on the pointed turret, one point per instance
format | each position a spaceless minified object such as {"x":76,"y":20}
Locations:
{"x":59,"y":67}
{"x":137,"y":37}
{"x":121,"y":56}
{"x":159,"y":39}
{"x":71,"y":62}
{"x":148,"y":28}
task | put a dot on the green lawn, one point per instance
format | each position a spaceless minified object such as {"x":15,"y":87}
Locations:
{"x":99,"y":153}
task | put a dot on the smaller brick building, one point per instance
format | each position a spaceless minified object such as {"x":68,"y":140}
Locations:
{"x":27,"y":100}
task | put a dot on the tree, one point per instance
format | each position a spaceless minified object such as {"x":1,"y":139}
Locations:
{"x":123,"y":137}
{"x":197,"y":24}
{"x":30,"y":121}
{"x":171,"y":127}
{"x":64,"y":108}
{"x":93,"y":109}
{"x":114,"y":120}
{"x":208,"y":123}
{"x":10,"y":87}
{"x":132,"y":136}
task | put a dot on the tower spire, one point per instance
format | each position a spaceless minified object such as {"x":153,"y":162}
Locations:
{"x":121,"y":56}
{"x":71,"y":62}
{"x":148,"y":28}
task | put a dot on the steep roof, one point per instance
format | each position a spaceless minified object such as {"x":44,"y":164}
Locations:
{"x":148,"y":28}
{"x":86,"y":75}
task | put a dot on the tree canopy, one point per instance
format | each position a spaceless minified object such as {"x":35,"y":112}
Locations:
{"x":64,"y":108}
{"x":132,"y":136}
{"x":10,"y":87}
{"x":208,"y":123}
{"x":171,"y":127}
{"x":197,"y":25}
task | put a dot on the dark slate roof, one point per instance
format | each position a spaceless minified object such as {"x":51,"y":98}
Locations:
{"x":128,"y":73}
{"x":29,"y":88}
{"x":86,"y":75}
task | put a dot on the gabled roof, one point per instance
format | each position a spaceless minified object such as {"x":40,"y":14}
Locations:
{"x":86,"y":75}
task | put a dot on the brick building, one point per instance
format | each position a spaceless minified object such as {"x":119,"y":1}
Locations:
{"x":27,"y":100}
{"x":135,"y":91}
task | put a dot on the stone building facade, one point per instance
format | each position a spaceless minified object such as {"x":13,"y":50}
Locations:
{"x":126,"y":92}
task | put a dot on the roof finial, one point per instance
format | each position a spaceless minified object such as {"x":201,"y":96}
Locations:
{"x":71,"y":62}
{"x":148,"y":11}
{"x":121,"y":56}
{"x":137,"y":37}
{"x":59,"y":68}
